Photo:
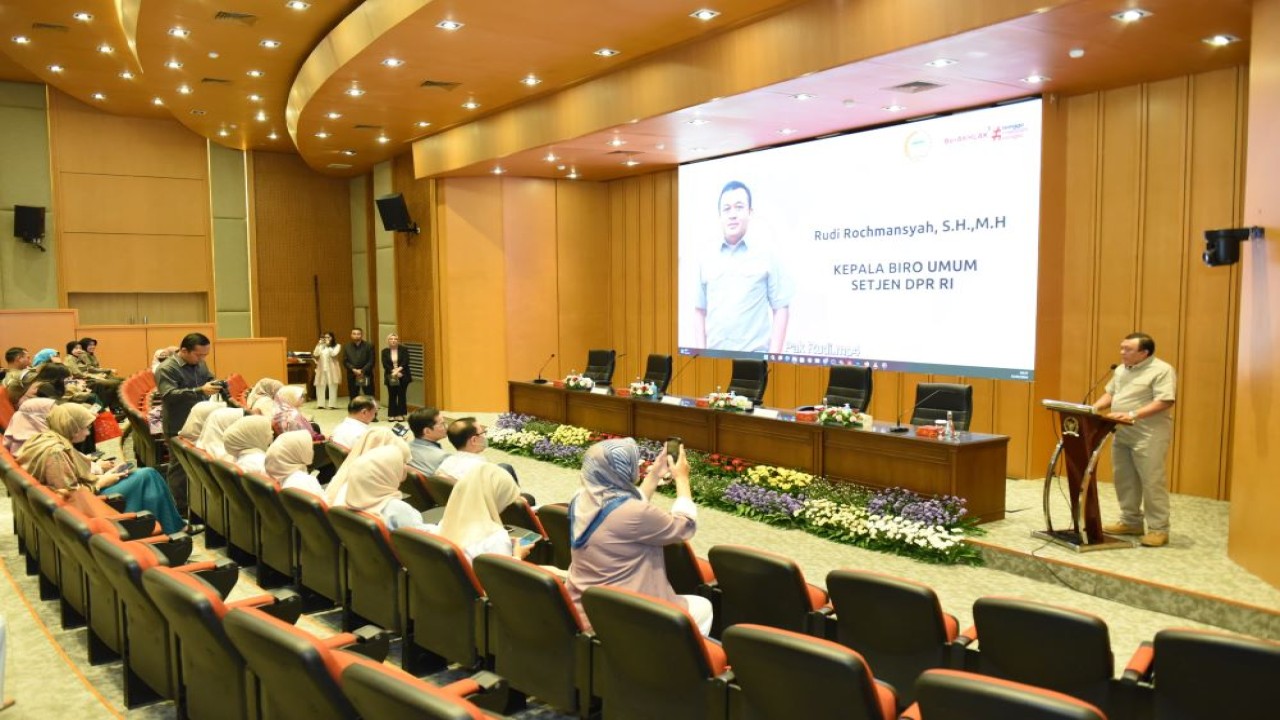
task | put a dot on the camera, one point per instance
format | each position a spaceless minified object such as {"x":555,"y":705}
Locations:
{"x":1222,"y":247}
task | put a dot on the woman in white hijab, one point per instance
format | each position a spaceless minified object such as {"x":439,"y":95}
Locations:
{"x":375,"y":437}
{"x":200,"y":413}
{"x":211,"y":437}
{"x":288,"y":460}
{"x":31,"y":419}
{"x":246,"y":443}
{"x":472,"y":519}
{"x":264,"y":388}
{"x":374,"y":487}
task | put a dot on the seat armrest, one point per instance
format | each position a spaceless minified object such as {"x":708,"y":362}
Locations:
{"x":371,"y":641}
{"x":135,"y":526}
{"x":968,"y":637}
{"x":222,"y":576}
{"x":175,"y":548}
{"x":1140,"y":665}
{"x":822,"y":622}
{"x":116,"y":502}
{"x":911,"y":713}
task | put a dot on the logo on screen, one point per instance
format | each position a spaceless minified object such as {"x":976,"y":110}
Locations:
{"x":917,"y":145}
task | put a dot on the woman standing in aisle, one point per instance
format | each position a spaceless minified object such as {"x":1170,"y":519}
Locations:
{"x":397,"y":375}
{"x":328,"y":371}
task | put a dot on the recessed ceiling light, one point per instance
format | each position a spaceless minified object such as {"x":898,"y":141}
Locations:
{"x":157,"y":101}
{"x":355,"y":91}
{"x":126,"y":75}
{"x":530,"y":80}
{"x":787,"y":131}
{"x":223,"y":132}
{"x":272,"y":136}
{"x":261,"y":116}
{"x":573,"y":175}
{"x":1221,"y":40}
{"x":348,"y":152}
{"x":255,"y":97}
{"x":1131,"y":15}
{"x":297,"y":5}
{"x":631,"y":162}
{"x":941,"y":62}
{"x":333,"y":115}
{"x":56,"y":68}
{"x":82,"y":16}
{"x":497,"y":170}
{"x":197,"y":112}
{"x":550,"y":157}
{"x":422,"y":124}
{"x":322,"y":135}
{"x":270,"y":44}
{"x":1036,"y":79}
{"x":393,"y":62}
{"x":449,"y":25}
{"x":698,"y":121}
{"x":213,"y":55}
{"x":179,"y":32}
{"x":1075,"y":53}
{"x":184,"y":89}
{"x":560,"y":167}
{"x":895,"y":107}
{"x":98,"y":96}
{"x":173,"y":65}
{"x":106,"y":49}
{"x":704,"y":14}
{"x":22,"y":39}
{"x":383,"y":139}
{"x":803,"y":96}
{"x":607,"y":52}
{"x":616,"y":142}
{"x":471,"y":105}
{"x":255,"y":73}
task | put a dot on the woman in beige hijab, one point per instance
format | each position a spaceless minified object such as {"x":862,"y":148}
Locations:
{"x":211,"y":437}
{"x":288,"y":462}
{"x":199,"y":415}
{"x":472,"y":519}
{"x":246,"y":443}
{"x":51,"y":459}
{"x":374,"y":487}
{"x":336,"y":493}
{"x":264,"y":388}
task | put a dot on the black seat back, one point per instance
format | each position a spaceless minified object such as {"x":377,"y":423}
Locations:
{"x":445,"y":608}
{"x":750,"y":378}
{"x":934,"y":400}
{"x":849,"y":385}
{"x":600,"y":366}
{"x":657,"y":370}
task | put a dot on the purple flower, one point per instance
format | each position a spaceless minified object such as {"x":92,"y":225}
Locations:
{"x":557,"y":452}
{"x":513,"y":421}
{"x":764,"y":500}
{"x":944,"y":511}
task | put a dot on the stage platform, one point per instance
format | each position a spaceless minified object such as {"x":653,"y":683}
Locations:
{"x":1191,"y":577}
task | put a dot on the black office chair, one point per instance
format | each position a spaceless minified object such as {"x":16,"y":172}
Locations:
{"x":657,"y":370}
{"x":750,"y":378}
{"x":849,"y":386}
{"x":933,"y":400}
{"x":600,"y":366}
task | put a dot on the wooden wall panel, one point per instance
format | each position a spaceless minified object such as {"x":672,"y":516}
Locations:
{"x":91,"y":141}
{"x":125,"y":205}
{"x":151,"y":263}
{"x":302,"y":240}
{"x":122,"y":348}
{"x":254,"y":358}
{"x":37,"y":329}
{"x":584,"y":272}
{"x":532,"y":305}
{"x":416,"y":266}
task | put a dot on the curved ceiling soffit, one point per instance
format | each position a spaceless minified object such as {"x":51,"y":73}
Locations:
{"x":127,"y":12}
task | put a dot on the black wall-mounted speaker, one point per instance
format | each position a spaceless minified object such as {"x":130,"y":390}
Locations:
{"x":395,"y":214}
{"x":28,"y":222}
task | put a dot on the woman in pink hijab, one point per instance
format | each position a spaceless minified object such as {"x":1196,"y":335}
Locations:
{"x":31,"y":419}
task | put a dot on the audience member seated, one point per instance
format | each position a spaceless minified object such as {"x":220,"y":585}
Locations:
{"x":51,"y":459}
{"x":31,"y":419}
{"x":617,"y":537}
{"x":287,"y":415}
{"x":288,"y":460}
{"x":246,"y":443}
{"x":211,"y":438}
{"x":196,"y":419}
{"x":361,"y":411}
{"x":472,"y":519}
{"x":55,"y":381}
{"x":374,"y":486}
{"x":336,"y":492}
{"x":468,"y":437}
{"x":426,"y":426}
{"x":47,"y":355}
{"x":264,"y":389}
{"x":17,"y":373}
{"x":160,"y":355}
{"x":83,"y":361}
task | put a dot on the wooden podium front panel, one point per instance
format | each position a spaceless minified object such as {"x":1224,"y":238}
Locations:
{"x":658,"y":421}
{"x":603,"y":413}
{"x":770,"y":442}
{"x":979,"y":477}
{"x":544,"y":401}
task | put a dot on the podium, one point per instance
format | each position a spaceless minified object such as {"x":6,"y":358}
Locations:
{"x":1083,"y":434}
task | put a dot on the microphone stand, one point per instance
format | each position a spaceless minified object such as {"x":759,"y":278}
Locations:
{"x":898,"y":427}
{"x":541,"y":380}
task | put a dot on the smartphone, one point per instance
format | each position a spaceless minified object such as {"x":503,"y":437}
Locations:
{"x":122,"y":469}
{"x":400,"y":430}
{"x":521,"y":536}
{"x":95,"y":408}
{"x":96,"y":455}
{"x":673,"y":448}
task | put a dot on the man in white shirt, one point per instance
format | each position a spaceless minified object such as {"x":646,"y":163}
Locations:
{"x":361,"y":411}
{"x":469,"y":438}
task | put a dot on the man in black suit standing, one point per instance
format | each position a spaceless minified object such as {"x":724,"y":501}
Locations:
{"x":357,"y":358}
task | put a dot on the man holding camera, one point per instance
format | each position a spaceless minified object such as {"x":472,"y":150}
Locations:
{"x":182,"y":381}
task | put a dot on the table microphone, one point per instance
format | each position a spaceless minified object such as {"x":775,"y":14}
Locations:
{"x":687,"y":363}
{"x":541,"y":380}
{"x":1094,"y":386}
{"x":898,"y":427}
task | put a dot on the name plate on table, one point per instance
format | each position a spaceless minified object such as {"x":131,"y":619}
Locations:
{"x":672,"y":400}
{"x":599,"y":391}
{"x":766,"y":413}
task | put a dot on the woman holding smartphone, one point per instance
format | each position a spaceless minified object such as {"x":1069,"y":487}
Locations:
{"x":328,"y":371}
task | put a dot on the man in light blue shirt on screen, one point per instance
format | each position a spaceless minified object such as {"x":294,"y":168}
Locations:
{"x":743,"y":293}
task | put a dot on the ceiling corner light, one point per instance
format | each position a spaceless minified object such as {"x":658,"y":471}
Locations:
{"x":392,"y":62}
{"x":449,"y":25}
{"x":297,"y":5}
{"x":158,"y":102}
{"x":895,"y":107}
{"x":223,"y":132}
{"x":941,"y":62}
{"x":56,"y":68}
{"x":255,"y":97}
{"x":705,"y":14}
{"x":348,"y":152}
{"x":383,"y":139}
{"x":179,"y":32}
{"x":698,"y":121}
{"x":1075,"y":53}
{"x":333,"y":115}
{"x":354,"y":91}
{"x":801,"y":97}
{"x":98,"y":96}
{"x":631,"y":161}
{"x":184,"y":89}
{"x":322,"y":135}
{"x":1131,"y":15}
{"x":261,"y":116}
{"x":1036,"y":79}
{"x":422,"y":124}
{"x":126,"y":75}
{"x":21,"y":39}
{"x":608,"y":52}
{"x":573,"y":174}
{"x":82,"y":16}
{"x":197,"y":112}
{"x":173,"y":65}
{"x":1220,"y":40}
{"x":788,"y":131}
{"x":471,"y":105}
{"x":255,"y":73}
{"x":106,"y":49}
{"x":270,"y":44}
{"x":530,"y":80}
{"x":497,"y":170}
{"x":213,"y":55}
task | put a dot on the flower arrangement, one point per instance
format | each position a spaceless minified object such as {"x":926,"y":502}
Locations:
{"x":729,"y":401}
{"x":574,"y":381}
{"x":843,"y":416}
{"x":644,"y":389}
{"x":894,"y":520}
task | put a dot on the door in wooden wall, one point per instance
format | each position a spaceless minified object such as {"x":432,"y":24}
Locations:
{"x":140,"y":308}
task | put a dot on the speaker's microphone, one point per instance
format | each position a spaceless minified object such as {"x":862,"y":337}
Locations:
{"x":541,"y":380}
{"x":687,"y":363}
{"x":898,"y":427}
{"x":1097,"y":382}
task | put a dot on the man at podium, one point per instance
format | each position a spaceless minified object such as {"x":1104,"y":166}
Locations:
{"x":1142,"y":390}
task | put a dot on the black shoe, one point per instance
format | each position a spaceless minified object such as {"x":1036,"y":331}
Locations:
{"x":194,"y":529}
